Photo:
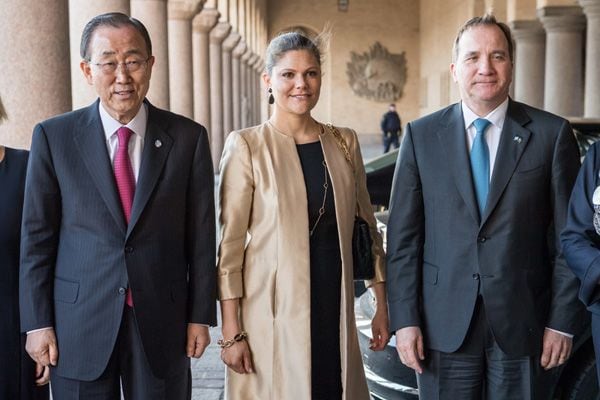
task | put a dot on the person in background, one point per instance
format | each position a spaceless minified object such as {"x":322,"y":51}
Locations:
{"x":480,"y":297}
{"x":20,"y":377}
{"x":288,"y":197}
{"x":581,"y":239}
{"x":391,"y":128}
{"x":118,"y":282}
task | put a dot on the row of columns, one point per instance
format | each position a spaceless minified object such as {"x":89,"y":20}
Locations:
{"x":549,"y":60}
{"x":204,"y":68}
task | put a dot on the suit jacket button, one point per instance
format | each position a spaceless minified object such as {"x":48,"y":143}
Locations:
{"x":128,"y":249}
{"x":481,"y":239}
{"x":122,"y":290}
{"x":476,"y":277}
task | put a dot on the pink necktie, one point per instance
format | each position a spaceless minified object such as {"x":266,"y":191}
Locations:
{"x":125,"y":180}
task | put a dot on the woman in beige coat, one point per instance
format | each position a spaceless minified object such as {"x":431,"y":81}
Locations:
{"x":288,"y":198}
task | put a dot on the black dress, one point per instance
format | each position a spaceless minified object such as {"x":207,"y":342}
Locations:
{"x":325,"y":277}
{"x":17,"y":370}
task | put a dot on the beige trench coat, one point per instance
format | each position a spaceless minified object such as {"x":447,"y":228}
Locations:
{"x":264,"y":259}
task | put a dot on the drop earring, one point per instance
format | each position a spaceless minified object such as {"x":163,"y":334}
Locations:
{"x":271,"y":98}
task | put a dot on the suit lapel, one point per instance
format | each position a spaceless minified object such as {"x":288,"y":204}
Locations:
{"x":91,"y":143}
{"x":453,"y":138}
{"x":513,"y":141}
{"x":157,"y":145}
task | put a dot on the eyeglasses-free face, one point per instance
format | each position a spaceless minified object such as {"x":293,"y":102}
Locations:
{"x":119,"y":69}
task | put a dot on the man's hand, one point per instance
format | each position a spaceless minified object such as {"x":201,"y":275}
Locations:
{"x":556,"y":349}
{"x":409,"y":343}
{"x":42,"y":375}
{"x":198,"y":339}
{"x":41,"y":346}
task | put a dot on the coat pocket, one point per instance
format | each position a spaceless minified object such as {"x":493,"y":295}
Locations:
{"x":430,"y":273}
{"x":65,"y":291}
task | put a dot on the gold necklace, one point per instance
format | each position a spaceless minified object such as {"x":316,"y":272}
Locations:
{"x":322,"y":209}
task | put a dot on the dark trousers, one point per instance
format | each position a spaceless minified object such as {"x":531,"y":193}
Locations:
{"x":479,"y":369}
{"x":596,"y":339}
{"x":389,"y":139}
{"x":127,"y":368}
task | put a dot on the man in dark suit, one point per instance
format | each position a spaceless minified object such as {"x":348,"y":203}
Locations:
{"x":479,"y":295}
{"x":118,"y":265}
{"x":391,"y":128}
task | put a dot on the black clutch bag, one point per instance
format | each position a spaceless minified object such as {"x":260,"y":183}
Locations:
{"x":362,"y":241}
{"x":361,"y":250}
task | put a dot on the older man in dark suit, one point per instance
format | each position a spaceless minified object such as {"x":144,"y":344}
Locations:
{"x":479,"y":296}
{"x":118,"y":239}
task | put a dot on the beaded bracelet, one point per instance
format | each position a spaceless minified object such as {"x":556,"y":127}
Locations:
{"x":228,"y":343}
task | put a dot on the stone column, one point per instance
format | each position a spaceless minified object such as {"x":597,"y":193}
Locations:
{"x":202,"y":24}
{"x":236,"y":83}
{"x":258,"y":98}
{"x":228,"y":45}
{"x":245,"y":101}
{"x":80,"y":13}
{"x":251,"y":89}
{"x":591,"y":8}
{"x":564,"y":54}
{"x":217,"y":36}
{"x":263,"y":95}
{"x":153,"y":14}
{"x":35,"y":82}
{"x":530,"y":51}
{"x":181,"y":82}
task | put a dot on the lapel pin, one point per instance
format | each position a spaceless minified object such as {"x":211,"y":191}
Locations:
{"x":517,"y":139}
{"x":157,"y":143}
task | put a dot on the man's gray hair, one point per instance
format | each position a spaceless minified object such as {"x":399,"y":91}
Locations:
{"x":485,"y":20}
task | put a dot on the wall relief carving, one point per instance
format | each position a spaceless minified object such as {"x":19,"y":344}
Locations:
{"x":377,"y":74}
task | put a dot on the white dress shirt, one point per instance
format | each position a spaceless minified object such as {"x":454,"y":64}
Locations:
{"x":492,"y":134}
{"x":136,"y":142}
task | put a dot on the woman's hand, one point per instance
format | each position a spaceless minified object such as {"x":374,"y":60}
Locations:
{"x":237,"y":357}
{"x":380,"y":328}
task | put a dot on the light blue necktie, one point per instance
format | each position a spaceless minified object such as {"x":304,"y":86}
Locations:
{"x":480,"y":163}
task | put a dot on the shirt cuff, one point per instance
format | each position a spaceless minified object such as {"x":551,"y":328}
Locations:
{"x":562,"y":333}
{"x":41,"y":329}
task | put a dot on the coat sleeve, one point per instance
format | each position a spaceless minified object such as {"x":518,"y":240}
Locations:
{"x":39,"y":236}
{"x":405,"y":238}
{"x":201,"y":236}
{"x":365,"y":210}
{"x":236,"y":191}
{"x":579,"y":239}
{"x":565,"y":309}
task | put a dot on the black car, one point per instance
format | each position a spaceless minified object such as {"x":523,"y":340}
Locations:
{"x":389,"y":379}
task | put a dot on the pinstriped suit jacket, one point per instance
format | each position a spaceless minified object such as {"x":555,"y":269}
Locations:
{"x":78,"y":254}
{"x":442,"y":253}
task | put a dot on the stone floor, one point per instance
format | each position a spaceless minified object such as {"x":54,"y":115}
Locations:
{"x":208,"y":372}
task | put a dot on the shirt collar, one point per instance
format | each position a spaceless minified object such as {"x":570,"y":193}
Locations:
{"x":137,"y":124}
{"x":496,"y":116}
